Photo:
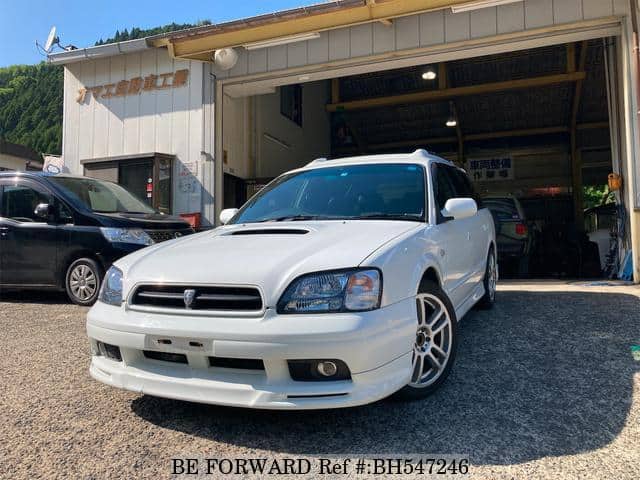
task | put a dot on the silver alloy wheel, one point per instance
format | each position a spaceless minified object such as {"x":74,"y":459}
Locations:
{"x":492,"y":280}
{"x":83,"y":282}
{"x":432,"y":348}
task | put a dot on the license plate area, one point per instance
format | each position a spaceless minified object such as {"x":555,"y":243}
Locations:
{"x":164,"y":343}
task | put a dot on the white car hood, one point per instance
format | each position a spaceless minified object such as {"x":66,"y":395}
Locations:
{"x":269,"y":260}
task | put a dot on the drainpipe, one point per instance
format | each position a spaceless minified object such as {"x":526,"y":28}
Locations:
{"x":635,"y":214}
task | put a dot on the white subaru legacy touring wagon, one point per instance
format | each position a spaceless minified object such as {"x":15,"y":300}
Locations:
{"x":338,"y":284}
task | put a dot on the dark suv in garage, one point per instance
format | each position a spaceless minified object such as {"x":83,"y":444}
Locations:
{"x":63,"y":232}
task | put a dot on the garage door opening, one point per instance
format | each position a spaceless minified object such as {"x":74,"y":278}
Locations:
{"x":531,"y":127}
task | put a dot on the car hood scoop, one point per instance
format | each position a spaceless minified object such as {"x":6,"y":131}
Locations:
{"x":270,"y":231}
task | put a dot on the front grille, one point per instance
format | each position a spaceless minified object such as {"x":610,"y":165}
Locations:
{"x":198,"y":297}
{"x":163,"y":235}
{"x":166,"y":357}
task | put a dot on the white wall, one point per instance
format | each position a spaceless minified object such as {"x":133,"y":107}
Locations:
{"x":260,"y":142}
{"x":165,"y":121}
{"x":240,"y":161}
{"x":305,"y":143}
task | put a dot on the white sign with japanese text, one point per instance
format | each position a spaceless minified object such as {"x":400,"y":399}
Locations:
{"x":491,"y":169}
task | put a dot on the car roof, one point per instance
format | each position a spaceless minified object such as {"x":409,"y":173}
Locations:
{"x":32,"y":174}
{"x":419,"y":156}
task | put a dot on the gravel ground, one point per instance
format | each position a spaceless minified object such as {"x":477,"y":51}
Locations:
{"x":545,"y":386}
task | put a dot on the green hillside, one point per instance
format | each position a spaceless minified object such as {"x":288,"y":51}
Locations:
{"x":31,"y":96}
{"x":31,"y":106}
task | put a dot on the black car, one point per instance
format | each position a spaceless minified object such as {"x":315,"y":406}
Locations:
{"x":63,"y":231}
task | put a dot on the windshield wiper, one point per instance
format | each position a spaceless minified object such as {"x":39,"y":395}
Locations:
{"x":292,"y":218}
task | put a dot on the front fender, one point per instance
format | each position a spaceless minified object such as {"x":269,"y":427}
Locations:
{"x":403,"y":264}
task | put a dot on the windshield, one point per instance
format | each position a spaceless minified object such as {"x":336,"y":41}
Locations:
{"x":102,"y":197}
{"x":385,"y":191}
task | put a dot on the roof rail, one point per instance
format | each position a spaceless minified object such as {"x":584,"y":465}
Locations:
{"x":317,"y":160}
{"x":420,"y":152}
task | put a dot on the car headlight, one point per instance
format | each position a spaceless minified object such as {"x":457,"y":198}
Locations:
{"x":111,"y":291}
{"x":126,"y":235}
{"x":356,"y":290}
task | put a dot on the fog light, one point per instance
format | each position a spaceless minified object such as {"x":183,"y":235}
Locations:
{"x":318,"y":370}
{"x":327,"y":369}
{"x":109,"y":351}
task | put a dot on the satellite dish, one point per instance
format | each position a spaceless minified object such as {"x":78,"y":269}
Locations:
{"x":225,"y":58}
{"x":51,"y":39}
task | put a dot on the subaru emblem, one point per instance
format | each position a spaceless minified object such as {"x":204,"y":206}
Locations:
{"x":189,"y":297}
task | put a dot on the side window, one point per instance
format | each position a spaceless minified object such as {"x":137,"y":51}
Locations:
{"x":64,"y":214}
{"x":20,"y":201}
{"x":462,"y":185}
{"x":444,"y":189}
{"x":291,"y":103}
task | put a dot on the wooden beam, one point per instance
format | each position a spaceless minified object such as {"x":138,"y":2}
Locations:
{"x":571,"y":57}
{"x":335,"y":90}
{"x":592,"y":126}
{"x":579,"y":84}
{"x":443,"y":84}
{"x":401,"y":144}
{"x":530,"y":132}
{"x":443,"y":77}
{"x":450,"y":93}
{"x":460,"y":146}
{"x":459,"y":135}
{"x":576,"y":158}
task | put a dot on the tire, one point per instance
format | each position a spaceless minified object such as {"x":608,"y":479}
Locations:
{"x":428,"y":346}
{"x":83,"y":281}
{"x":489,"y":281}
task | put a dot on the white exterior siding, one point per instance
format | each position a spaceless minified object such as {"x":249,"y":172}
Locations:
{"x":165,"y":121}
{"x":428,"y":29}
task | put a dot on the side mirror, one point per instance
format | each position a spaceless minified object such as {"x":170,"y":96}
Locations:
{"x":43,"y":211}
{"x":460,"y":208}
{"x":227,"y":214}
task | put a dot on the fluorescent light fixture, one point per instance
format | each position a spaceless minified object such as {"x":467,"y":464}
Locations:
{"x":429,"y":75}
{"x":468,"y":7}
{"x":452,"y":123}
{"x":282,"y":41}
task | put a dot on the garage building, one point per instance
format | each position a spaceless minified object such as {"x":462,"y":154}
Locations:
{"x":537,"y":99}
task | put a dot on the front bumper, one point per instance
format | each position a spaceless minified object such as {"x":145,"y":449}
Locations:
{"x":375,"y":346}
